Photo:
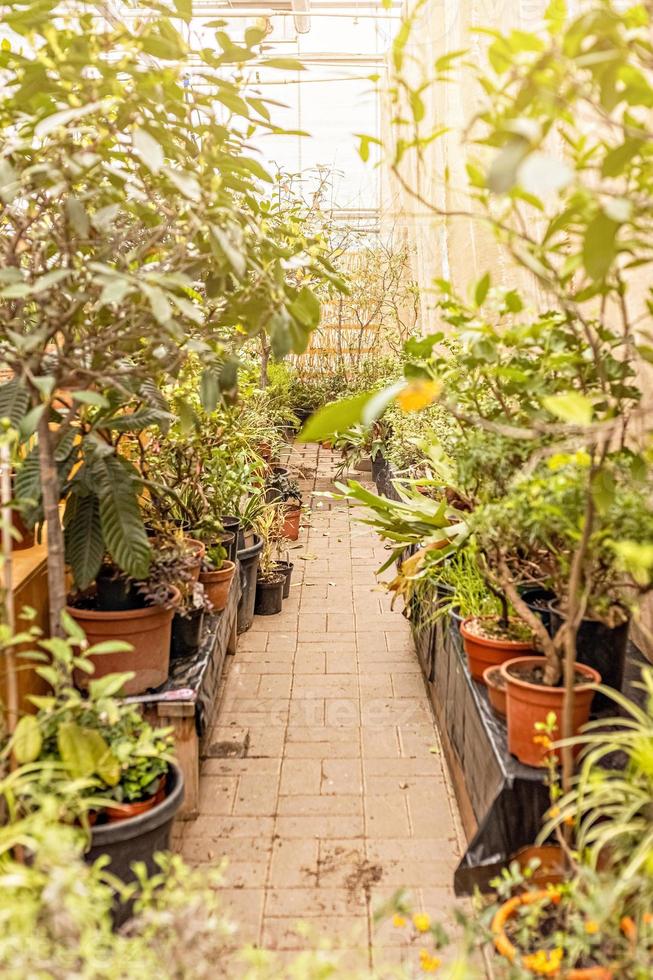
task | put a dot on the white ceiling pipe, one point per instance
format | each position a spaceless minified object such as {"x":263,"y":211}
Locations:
{"x":300,"y":9}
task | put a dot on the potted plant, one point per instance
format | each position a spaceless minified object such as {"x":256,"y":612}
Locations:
{"x":216,"y":577}
{"x":270,"y":582}
{"x":284,"y":490}
{"x":129,"y":611}
{"x":124,"y":769}
{"x":491,"y":640}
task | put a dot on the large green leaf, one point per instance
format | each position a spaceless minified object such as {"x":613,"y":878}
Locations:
{"x":83,"y":538}
{"x":120,"y":516}
{"x":14,"y":401}
{"x":334,"y":418}
{"x":27,"y":740}
{"x":81,"y":749}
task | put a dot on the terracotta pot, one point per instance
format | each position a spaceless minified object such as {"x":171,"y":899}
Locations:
{"x":217,"y":584}
{"x":483,"y":652}
{"x":198,"y":549}
{"x":123,"y":811}
{"x":509,"y":951}
{"x":552,"y":869}
{"x":496,"y":689}
{"x":291,"y":522}
{"x":530,"y":703}
{"x":148,"y":630}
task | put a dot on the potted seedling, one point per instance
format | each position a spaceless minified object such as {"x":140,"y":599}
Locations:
{"x":282,"y":489}
{"x":177,"y":563}
{"x":491,"y":640}
{"x":271,"y":581}
{"x":216,"y":576}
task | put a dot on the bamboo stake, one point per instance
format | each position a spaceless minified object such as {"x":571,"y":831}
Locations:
{"x":6,"y":494}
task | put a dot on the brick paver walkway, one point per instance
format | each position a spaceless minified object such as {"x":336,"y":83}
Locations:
{"x":342,"y":795}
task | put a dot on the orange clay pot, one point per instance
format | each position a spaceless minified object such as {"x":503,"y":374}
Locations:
{"x":509,"y":951}
{"x":198,"y":550}
{"x":148,"y":630}
{"x":483,"y":652}
{"x":552,"y":869}
{"x":291,"y":522}
{"x":123,"y":811}
{"x":496,"y":690}
{"x":217,"y":584}
{"x":530,"y":703}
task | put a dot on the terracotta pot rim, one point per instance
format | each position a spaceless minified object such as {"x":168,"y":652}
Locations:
{"x":145,"y":612}
{"x":219,"y":574}
{"x":509,"y":951}
{"x":593,"y":676}
{"x":486,"y":641}
{"x":492,"y":669}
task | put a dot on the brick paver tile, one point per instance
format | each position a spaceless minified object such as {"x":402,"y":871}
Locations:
{"x":294,"y":863}
{"x":300,"y":776}
{"x":341,"y":776}
{"x":256,"y":795}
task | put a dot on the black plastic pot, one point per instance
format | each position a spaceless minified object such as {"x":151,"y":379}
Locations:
{"x":285,"y":568}
{"x":378,"y":466}
{"x":269,"y":595}
{"x":232,"y":524}
{"x":186,"y":634}
{"x":248,"y":558}
{"x":538,"y":601}
{"x":601,"y":647}
{"x":137,"y":839}
{"x":115,"y":593}
{"x":229,"y":541}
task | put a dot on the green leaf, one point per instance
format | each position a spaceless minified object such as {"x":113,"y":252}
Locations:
{"x":209,"y":390}
{"x":288,"y":64}
{"x":336,"y":417}
{"x":83,"y":538}
{"x":599,"y":246}
{"x":482,"y":288}
{"x":14,"y":401}
{"x":109,"y":646}
{"x":27,"y":740}
{"x":110,"y":685}
{"x":306,"y":308}
{"x":90,"y":398}
{"x":58,"y":119}
{"x":120,"y":515}
{"x":149,"y":150}
{"x":571,"y":407}
{"x":79,"y":752}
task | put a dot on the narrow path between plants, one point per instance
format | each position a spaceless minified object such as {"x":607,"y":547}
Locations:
{"x":337,"y":792}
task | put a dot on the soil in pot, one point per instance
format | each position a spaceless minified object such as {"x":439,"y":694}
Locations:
{"x":291,"y":522}
{"x":529,"y":701}
{"x":488,"y":644}
{"x":285,"y":568}
{"x":496,"y":689}
{"x":549,"y":922}
{"x":248,"y":559}
{"x":148,"y":630}
{"x":269,"y":594}
{"x":217,"y":584}
{"x":601,"y":647}
{"x":187,"y":634}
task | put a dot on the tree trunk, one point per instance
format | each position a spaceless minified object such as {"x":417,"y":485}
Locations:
{"x":10,"y":613}
{"x":50,"y":495}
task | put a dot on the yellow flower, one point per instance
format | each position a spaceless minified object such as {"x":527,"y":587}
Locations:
{"x":546,"y":964}
{"x":419,"y":394}
{"x":591,"y":927}
{"x":428,"y":962}
{"x":554,"y":812}
{"x":543,"y":740}
{"x":422,"y":921}
{"x":398,"y":921}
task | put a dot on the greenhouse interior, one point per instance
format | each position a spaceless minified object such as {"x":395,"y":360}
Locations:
{"x":326,"y":477}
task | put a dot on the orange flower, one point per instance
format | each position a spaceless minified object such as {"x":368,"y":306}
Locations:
{"x":591,"y":927}
{"x":628,"y":928}
{"x":554,"y":812}
{"x":569,"y":821}
{"x":419,"y":394}
{"x":647,"y":918}
{"x":543,"y":740}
